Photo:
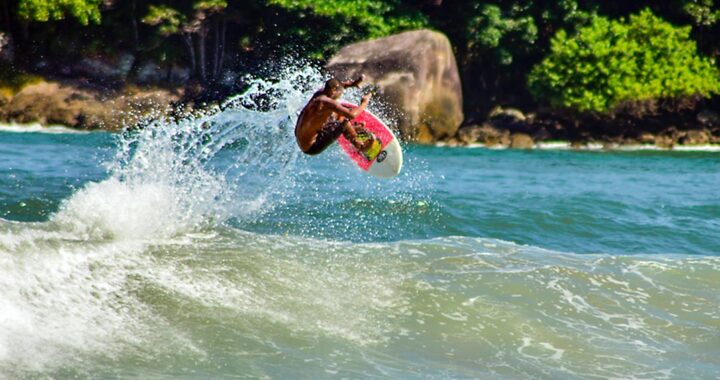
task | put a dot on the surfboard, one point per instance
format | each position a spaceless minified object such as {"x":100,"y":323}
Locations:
{"x":384,"y":158}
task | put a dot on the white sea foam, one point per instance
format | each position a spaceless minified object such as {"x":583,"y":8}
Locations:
{"x":166,"y":178}
{"x":554,"y":145}
{"x":67,"y":284}
{"x":566,"y":145}
{"x":65,"y":300}
{"x":697,"y":148}
{"x":38,"y":128}
{"x":123,"y":210}
{"x":58,"y":299}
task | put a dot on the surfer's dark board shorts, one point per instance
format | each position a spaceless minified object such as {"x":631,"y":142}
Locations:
{"x":327,"y":135}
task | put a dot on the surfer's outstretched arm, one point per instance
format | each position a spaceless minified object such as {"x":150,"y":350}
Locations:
{"x":354,"y":83}
{"x":343,"y":111}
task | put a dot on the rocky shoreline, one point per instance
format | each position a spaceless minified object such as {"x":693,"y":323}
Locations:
{"x":414,"y":73}
{"x":71,"y":104}
{"x":510,"y":128}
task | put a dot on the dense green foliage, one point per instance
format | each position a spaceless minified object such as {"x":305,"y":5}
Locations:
{"x":167,"y":19}
{"x":612,"y":61}
{"x":85,"y":11}
{"x":370,"y":18}
{"x":343,"y":22}
{"x":497,"y":42}
{"x":703,"y":12}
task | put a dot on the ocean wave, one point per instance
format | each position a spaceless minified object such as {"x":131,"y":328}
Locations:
{"x":151,"y":272}
{"x":484,"y":307}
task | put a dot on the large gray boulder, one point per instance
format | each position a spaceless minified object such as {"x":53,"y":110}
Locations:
{"x":415,"y":73}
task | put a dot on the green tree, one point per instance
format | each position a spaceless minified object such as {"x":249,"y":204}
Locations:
{"x":613,"y":61}
{"x":703,"y":12}
{"x":498,"y":42}
{"x":345,"y":21}
{"x":85,"y":11}
{"x":491,"y":29}
{"x":375,"y":18}
{"x":194,"y":26}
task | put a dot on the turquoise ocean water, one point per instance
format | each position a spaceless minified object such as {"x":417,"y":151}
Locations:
{"x":209,"y":248}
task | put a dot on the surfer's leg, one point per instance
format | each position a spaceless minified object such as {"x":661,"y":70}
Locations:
{"x":352,"y":133}
{"x":327,"y":135}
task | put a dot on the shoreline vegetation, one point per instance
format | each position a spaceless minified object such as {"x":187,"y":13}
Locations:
{"x":595,"y":74}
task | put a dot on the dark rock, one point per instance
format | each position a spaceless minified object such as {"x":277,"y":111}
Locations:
{"x":54,"y":103}
{"x":415,"y":73}
{"x":607,"y":145}
{"x":45,"y":103}
{"x":576,"y":144}
{"x":453,"y":142}
{"x":7,"y":50}
{"x":541,"y":134}
{"x":150,"y":73}
{"x":646,"y":138}
{"x":665,"y":141}
{"x":521,"y":141}
{"x":508,"y":118}
{"x":179,"y":75}
{"x":104,"y":69}
{"x":715,"y":136}
{"x":708,"y":118}
{"x":484,"y":134}
{"x":695,"y":137}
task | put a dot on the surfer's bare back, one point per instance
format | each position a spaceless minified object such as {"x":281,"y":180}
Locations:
{"x":324,"y":119}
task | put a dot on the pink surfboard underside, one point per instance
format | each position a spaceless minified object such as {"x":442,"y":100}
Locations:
{"x":373,"y":125}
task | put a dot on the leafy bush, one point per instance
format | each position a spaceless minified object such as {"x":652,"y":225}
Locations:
{"x":491,"y":28}
{"x":610,"y":62}
{"x":85,"y":11}
{"x":376,"y":18}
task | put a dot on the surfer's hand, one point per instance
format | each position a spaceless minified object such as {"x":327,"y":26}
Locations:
{"x":366,"y":97}
{"x":355,"y":83}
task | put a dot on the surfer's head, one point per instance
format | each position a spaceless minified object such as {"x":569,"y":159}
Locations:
{"x":334,"y":88}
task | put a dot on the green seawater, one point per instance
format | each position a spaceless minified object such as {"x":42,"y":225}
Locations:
{"x":210,"y":248}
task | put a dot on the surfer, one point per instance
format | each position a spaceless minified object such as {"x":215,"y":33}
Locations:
{"x":324,"y":119}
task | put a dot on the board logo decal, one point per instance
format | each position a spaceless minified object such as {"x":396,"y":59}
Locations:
{"x":381,"y":156}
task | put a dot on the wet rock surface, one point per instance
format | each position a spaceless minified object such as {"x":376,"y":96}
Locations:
{"x":49,"y":102}
{"x":416,"y":74}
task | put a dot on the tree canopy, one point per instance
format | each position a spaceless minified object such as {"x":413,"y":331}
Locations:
{"x":510,"y":52}
{"x":85,"y":11}
{"x":612,"y":61}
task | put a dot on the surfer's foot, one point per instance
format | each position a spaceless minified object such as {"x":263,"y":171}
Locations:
{"x":363,"y":139}
{"x":364,"y":145}
{"x":356,"y":133}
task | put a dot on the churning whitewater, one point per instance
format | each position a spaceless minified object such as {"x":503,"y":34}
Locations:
{"x":209,"y":247}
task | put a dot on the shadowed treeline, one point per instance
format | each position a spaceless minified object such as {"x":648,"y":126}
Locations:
{"x":518,"y":53}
